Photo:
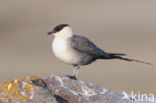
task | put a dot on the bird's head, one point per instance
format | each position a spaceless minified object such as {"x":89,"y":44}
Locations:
{"x":62,"y":30}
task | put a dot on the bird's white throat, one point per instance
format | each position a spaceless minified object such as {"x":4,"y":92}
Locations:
{"x":65,"y":32}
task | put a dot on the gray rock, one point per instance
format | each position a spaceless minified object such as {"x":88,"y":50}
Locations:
{"x":75,"y":91}
{"x":57,"y":89}
{"x":43,"y":96}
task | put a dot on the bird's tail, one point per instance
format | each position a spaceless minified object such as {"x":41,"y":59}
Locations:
{"x":131,"y":60}
{"x":119,"y":56}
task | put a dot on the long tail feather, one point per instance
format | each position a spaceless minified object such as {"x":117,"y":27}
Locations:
{"x":131,"y":60}
{"x":117,"y":54}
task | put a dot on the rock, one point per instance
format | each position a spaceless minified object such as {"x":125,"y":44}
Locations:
{"x":57,"y":89}
{"x":43,"y":95}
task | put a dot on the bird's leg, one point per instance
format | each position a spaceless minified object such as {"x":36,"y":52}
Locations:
{"x":76,"y":71}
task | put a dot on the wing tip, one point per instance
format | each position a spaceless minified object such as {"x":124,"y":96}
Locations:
{"x":117,"y":54}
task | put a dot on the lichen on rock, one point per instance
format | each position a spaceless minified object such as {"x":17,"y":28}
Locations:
{"x":57,"y":89}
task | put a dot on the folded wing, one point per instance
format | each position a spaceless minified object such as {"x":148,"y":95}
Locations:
{"x":84,"y":45}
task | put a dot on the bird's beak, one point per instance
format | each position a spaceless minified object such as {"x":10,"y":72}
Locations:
{"x":51,"y":34}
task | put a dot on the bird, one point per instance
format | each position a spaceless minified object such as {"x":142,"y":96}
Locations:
{"x":78,"y":50}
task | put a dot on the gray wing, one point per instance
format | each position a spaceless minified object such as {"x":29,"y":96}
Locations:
{"x":84,"y":45}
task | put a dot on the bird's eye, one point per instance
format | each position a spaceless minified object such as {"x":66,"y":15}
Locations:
{"x":58,"y":29}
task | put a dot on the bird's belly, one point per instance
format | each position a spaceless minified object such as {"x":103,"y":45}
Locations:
{"x":63,"y":51}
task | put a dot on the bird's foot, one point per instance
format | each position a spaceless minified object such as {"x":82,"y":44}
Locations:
{"x":71,"y":77}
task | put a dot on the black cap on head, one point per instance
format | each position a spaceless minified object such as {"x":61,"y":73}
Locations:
{"x":58,"y":28}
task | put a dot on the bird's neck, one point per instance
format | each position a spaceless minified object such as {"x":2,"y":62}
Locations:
{"x":67,"y":32}
{"x":64,"y":35}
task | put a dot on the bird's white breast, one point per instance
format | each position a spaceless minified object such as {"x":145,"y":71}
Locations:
{"x":63,"y":51}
